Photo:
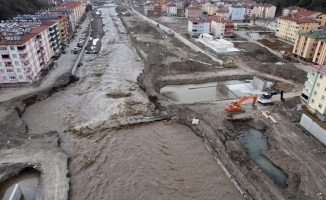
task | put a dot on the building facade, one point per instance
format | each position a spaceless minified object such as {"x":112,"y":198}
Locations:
{"x":197,"y":26}
{"x":250,"y":10}
{"x":221,"y":26}
{"x":25,"y":48}
{"x":153,"y":10}
{"x":305,"y":46}
{"x":320,"y":53}
{"x":211,"y":9}
{"x":314,"y":93}
{"x":192,"y":12}
{"x":288,"y":27}
{"x":266,"y":11}
{"x":236,"y":13}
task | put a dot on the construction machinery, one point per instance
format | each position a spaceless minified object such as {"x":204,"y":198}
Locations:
{"x":235,"y":105}
{"x":267,"y":98}
{"x":287,"y":55}
{"x":229,"y":64}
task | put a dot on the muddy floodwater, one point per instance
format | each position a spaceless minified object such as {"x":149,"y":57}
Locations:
{"x":28,"y":181}
{"x":255,"y":142}
{"x":213,"y":91}
{"x":158,"y":160}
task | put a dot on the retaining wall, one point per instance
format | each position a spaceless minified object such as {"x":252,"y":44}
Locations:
{"x":313,"y":128}
{"x":179,"y":37}
{"x":259,"y":83}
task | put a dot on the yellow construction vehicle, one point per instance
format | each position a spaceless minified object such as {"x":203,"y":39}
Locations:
{"x":287,"y":55}
{"x":229,"y":64}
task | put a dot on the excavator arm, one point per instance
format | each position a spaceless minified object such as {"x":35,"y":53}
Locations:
{"x":235,"y":105}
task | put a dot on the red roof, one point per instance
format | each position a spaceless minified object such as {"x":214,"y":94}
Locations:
{"x":305,"y":12}
{"x":299,"y":19}
{"x":319,"y":68}
{"x":294,"y":8}
{"x":69,"y":5}
{"x":222,"y":20}
{"x":197,"y":20}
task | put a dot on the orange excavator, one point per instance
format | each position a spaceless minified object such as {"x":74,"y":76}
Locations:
{"x":235,"y":105}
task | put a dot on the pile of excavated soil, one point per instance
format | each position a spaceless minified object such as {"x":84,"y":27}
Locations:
{"x":260,"y":53}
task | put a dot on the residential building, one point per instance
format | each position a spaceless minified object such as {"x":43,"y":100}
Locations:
{"x":221,"y":26}
{"x":305,"y":46}
{"x":76,"y":7}
{"x":236,"y":13}
{"x":197,"y":26}
{"x":211,"y":9}
{"x":205,"y":5}
{"x":153,"y":10}
{"x":266,"y":11}
{"x":291,"y":10}
{"x":314,"y":93}
{"x":25,"y":48}
{"x":288,"y":27}
{"x":193,"y":12}
{"x":222,"y":13}
{"x":250,"y":10}
{"x":170,"y":9}
{"x":320,"y":53}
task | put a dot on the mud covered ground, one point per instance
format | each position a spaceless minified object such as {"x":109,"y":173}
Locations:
{"x":288,"y":151}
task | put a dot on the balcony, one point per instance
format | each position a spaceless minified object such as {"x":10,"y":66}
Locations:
{"x":4,"y":52}
{"x":26,"y":66}
{"x":22,"y":51}
{"x":305,"y":94}
{"x":24,"y":59}
{"x":28,"y":72}
{"x":6,"y":60}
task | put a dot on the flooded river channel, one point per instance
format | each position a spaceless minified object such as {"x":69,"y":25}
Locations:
{"x":159,"y":160}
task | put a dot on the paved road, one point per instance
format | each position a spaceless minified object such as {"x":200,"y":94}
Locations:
{"x":65,"y":64}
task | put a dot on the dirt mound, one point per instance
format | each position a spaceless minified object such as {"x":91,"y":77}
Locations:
{"x":258,"y":52}
{"x":286,"y":71}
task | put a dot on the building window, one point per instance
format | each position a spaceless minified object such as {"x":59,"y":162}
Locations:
{"x":318,"y":84}
{"x":320,"y":106}
{"x":322,"y":97}
{"x":12,"y":48}
{"x":321,"y":76}
{"x":12,"y":77}
{"x":315,"y":92}
{"x":312,"y":100}
{"x":2,"y":71}
{"x":21,"y":77}
{"x":0,"y":64}
{"x":14,"y":55}
{"x":19,"y":70}
{"x":10,"y":70}
{"x":16,"y":63}
{"x":4,"y":78}
{"x":3,"y":48}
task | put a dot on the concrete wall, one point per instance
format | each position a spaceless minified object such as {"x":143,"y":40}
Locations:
{"x":259,"y":83}
{"x":179,"y":37}
{"x":313,"y":128}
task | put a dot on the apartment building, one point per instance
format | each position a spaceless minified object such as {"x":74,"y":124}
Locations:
{"x":25,"y":48}
{"x":193,"y":12}
{"x":320,"y":53}
{"x":153,"y":10}
{"x":291,"y":10}
{"x":221,"y":26}
{"x":197,"y":26}
{"x":222,"y":13}
{"x":266,"y":11}
{"x":305,"y":46}
{"x":170,"y":9}
{"x":288,"y":27}
{"x":236,"y":13}
{"x":250,"y":10}
{"x":77,"y":8}
{"x":211,"y":9}
{"x":314,"y":93}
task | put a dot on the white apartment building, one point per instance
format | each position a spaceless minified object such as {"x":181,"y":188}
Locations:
{"x":171,"y":9}
{"x":236,"y":13}
{"x":25,"y":48}
{"x":197,"y":26}
{"x":266,"y":11}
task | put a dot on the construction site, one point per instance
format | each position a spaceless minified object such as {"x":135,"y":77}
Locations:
{"x":148,"y":117}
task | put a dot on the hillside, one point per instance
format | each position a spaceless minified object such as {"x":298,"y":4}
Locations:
{"x":317,"y":5}
{"x":11,"y":8}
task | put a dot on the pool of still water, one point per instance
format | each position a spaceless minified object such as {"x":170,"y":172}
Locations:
{"x":28,"y":181}
{"x":255,"y":142}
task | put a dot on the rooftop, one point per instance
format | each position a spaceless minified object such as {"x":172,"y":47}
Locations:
{"x":305,"y":12}
{"x":264,"y":5}
{"x":222,"y":19}
{"x":18,"y":33}
{"x":197,"y":20}
{"x":294,"y":8}
{"x":299,"y":19}
{"x":319,"y":68}
{"x":314,"y":34}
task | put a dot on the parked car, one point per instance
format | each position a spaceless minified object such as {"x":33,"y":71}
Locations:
{"x":63,"y":52}
{"x":77,"y":49}
{"x":64,"y":44}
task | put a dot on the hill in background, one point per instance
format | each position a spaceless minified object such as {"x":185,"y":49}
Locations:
{"x":12,"y":8}
{"x":317,"y":5}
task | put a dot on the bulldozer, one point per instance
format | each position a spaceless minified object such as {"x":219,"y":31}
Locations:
{"x":287,"y":55}
{"x":229,"y":64}
{"x":235,"y":105}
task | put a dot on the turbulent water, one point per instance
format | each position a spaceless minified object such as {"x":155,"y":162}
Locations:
{"x":160,"y":160}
